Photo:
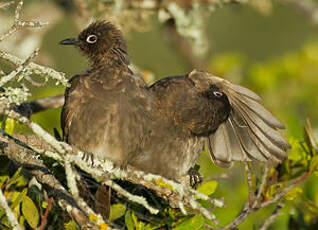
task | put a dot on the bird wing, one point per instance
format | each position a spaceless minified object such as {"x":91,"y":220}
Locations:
{"x":249,"y":133}
{"x":67,"y":113}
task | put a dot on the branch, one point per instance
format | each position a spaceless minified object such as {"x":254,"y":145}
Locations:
{"x":263,"y":184}
{"x":71,"y":180}
{"x":251,"y":193}
{"x":138,"y":199}
{"x":19,"y":69}
{"x":104,"y":171}
{"x":18,"y":23}
{"x":258,"y":203}
{"x":5,"y":4}
{"x":157,"y":5}
{"x":26,"y":65}
{"x":36,"y":69}
{"x":71,"y":175}
{"x":284,"y":191}
{"x":28,"y":108}
{"x":78,"y":210}
{"x":46,"y":214}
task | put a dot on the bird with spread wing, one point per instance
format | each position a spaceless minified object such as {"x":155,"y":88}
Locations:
{"x":162,"y":129}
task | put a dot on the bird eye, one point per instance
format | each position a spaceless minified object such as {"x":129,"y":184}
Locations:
{"x":91,"y":39}
{"x":217,"y":94}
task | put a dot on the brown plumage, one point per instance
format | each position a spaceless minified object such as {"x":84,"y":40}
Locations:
{"x":162,"y":128}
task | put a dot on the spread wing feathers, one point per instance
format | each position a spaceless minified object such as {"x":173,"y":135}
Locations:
{"x":249,"y":133}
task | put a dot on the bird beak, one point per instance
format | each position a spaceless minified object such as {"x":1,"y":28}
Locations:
{"x":69,"y":41}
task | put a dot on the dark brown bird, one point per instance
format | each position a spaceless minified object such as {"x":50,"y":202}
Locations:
{"x":161,"y":129}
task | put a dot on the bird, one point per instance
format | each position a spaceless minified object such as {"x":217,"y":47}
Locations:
{"x":112,"y":113}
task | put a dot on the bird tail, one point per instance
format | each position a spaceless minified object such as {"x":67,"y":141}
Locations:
{"x":249,"y":133}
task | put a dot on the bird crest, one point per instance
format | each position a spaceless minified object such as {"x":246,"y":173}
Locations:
{"x":102,"y":43}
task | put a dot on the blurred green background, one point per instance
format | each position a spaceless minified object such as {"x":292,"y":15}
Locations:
{"x":273,"y":52}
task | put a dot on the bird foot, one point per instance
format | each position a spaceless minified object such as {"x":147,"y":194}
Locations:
{"x":88,"y":157}
{"x":195,"y":177}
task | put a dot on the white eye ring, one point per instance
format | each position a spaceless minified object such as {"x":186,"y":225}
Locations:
{"x":91,"y":38}
{"x":217,"y":94}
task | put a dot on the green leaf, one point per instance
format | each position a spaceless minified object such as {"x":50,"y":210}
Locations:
{"x":30,"y":212}
{"x":297,"y":153}
{"x":192,"y":223}
{"x":208,"y":188}
{"x":134,"y":218}
{"x":18,"y":179}
{"x":272,"y":190}
{"x":21,"y":220}
{"x":313,"y":167}
{"x":71,"y":225}
{"x":9,"y":125}
{"x":3,"y":179}
{"x":44,"y":204}
{"x":293,"y":193}
{"x":129,"y":221}
{"x":132,"y":222}
{"x":18,"y":197}
{"x":116,"y":211}
{"x":17,"y":210}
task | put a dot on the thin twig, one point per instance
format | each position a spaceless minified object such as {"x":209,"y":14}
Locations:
{"x":246,"y":211}
{"x":35,"y":68}
{"x":286,"y":190}
{"x":32,"y":82}
{"x":17,"y":11}
{"x":46,"y":213}
{"x":19,"y":24}
{"x":263,"y":183}
{"x":272,"y":217}
{"x":251,"y":193}
{"x":19,"y":69}
{"x":71,"y":179}
{"x":28,"y":108}
{"x":138,"y":199}
{"x":70,"y":174}
{"x":5,"y":4}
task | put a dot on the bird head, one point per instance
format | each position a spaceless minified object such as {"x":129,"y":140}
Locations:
{"x":250,"y":131}
{"x":101,"y":41}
